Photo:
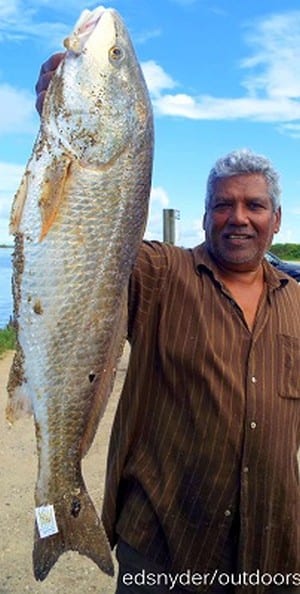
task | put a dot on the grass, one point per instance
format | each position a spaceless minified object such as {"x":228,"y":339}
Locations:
{"x":7,"y":339}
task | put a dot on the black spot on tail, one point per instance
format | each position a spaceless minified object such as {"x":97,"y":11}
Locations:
{"x":75,"y":507}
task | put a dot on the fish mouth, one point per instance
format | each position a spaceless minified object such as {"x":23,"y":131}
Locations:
{"x":85,"y":25}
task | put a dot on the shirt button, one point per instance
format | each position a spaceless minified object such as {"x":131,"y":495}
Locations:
{"x":253,"y":379}
{"x":246,"y":469}
{"x":253,"y":425}
{"x":227,"y":513}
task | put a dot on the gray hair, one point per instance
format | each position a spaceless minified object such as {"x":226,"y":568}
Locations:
{"x":241,"y":162}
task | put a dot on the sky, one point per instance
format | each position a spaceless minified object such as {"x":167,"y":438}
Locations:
{"x":222,"y":74}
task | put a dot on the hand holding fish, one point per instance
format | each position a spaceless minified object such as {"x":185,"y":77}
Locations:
{"x":45,"y":76}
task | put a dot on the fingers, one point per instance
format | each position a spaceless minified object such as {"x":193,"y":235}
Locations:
{"x":47,"y":71}
{"x":43,"y":82}
{"x":40,"y":102}
{"x":45,"y":76}
{"x":53,"y":61}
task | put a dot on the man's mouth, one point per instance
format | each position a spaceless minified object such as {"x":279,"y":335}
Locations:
{"x":238,"y":236}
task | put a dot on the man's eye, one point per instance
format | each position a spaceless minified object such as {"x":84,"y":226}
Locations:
{"x":256,"y":206}
{"x":221,"y":205}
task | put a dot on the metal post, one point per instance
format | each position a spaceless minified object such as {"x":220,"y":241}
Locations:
{"x":170,"y":215}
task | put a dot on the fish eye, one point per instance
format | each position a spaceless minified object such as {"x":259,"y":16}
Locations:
{"x":116,"y":53}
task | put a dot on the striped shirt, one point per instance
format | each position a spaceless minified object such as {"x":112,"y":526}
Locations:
{"x":207,"y":430}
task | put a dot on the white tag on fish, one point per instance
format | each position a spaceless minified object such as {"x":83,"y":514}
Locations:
{"x":46,"y":521}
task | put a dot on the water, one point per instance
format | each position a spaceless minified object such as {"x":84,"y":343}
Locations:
{"x":6,"y":307}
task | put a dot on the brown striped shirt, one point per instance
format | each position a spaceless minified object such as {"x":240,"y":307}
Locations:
{"x":208,"y":426}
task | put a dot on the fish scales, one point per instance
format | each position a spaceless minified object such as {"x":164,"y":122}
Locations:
{"x":78,"y":219}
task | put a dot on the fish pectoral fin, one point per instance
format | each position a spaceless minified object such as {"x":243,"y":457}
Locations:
{"x":79,"y":529}
{"x":53,"y":191}
{"x":18,"y":205}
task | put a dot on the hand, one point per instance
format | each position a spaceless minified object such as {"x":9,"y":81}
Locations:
{"x":45,"y":76}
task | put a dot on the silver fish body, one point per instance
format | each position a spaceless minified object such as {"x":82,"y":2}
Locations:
{"x":78,"y":219}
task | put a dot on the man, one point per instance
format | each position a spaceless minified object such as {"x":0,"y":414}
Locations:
{"x":202,"y":487}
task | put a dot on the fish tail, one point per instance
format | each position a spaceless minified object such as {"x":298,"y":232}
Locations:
{"x":79,"y":529}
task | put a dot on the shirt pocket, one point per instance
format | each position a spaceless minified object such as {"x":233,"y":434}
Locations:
{"x":288,"y":366}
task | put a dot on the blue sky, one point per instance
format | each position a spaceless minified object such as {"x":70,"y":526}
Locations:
{"x":222,"y":74}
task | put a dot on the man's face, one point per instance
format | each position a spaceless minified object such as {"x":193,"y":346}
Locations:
{"x":240,"y":222}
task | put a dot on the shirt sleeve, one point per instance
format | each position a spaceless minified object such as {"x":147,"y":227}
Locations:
{"x":146,"y":282}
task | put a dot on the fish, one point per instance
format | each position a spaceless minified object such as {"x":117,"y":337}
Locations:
{"x":78,"y":219}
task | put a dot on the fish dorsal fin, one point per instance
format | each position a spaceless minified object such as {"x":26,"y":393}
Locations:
{"x":52,"y":192}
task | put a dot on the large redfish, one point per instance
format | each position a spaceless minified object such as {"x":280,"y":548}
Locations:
{"x":78,"y":219}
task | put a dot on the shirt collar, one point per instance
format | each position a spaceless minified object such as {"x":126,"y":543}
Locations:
{"x":275,"y":279}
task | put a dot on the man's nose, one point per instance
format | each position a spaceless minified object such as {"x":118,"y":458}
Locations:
{"x":238,"y":215}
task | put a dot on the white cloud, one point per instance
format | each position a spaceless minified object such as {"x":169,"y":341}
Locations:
{"x":156,"y":78}
{"x":272,"y":82}
{"x":190,"y":233}
{"x":10,"y":175}
{"x":9,"y":9}
{"x":159,"y":196}
{"x":270,"y":74}
{"x":20,"y":20}
{"x":145,"y":36}
{"x":211,"y":108}
{"x":276,"y":53}
{"x":17,"y":114}
{"x":52,"y":34}
{"x":70,"y":5}
{"x":185,"y":2}
{"x":285,"y":235}
{"x":221,"y":12}
{"x":293,"y":130}
{"x":17,"y":8}
{"x":159,"y":200}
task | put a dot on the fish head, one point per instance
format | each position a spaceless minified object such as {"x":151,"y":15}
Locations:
{"x":97,"y":102}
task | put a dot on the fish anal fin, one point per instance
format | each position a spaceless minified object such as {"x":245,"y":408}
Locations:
{"x":18,"y":406}
{"x":79,"y":529}
{"x":52,"y":192}
{"x":19,"y":402}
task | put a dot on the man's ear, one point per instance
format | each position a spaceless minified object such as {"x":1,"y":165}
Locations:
{"x":277,"y":220}
{"x":204,"y":220}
